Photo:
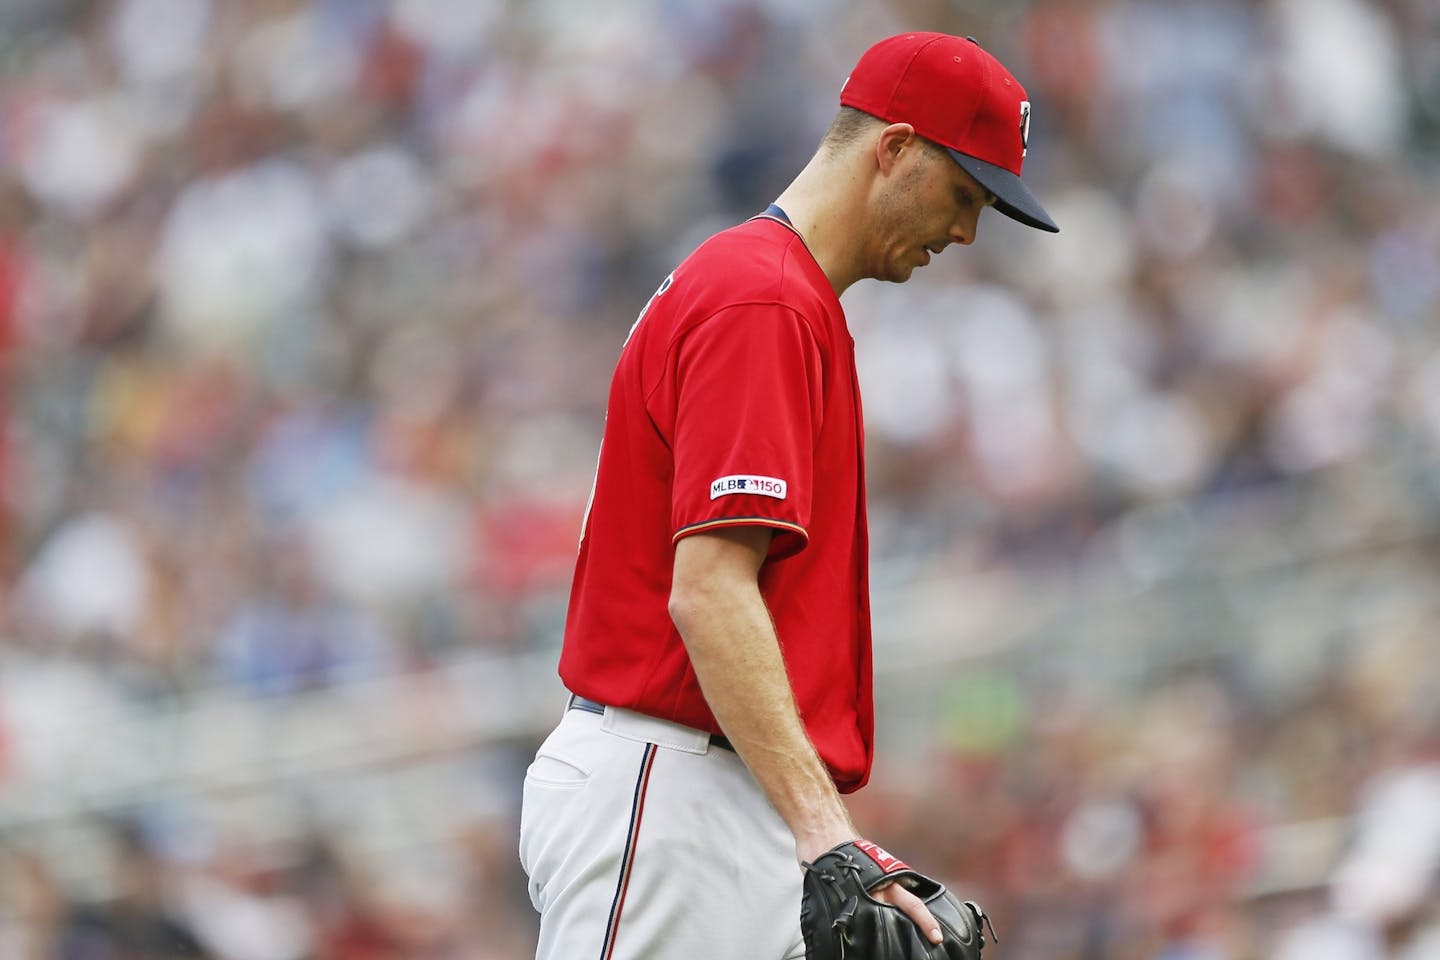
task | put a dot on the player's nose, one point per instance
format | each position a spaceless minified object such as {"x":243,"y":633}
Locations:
{"x":963,"y":233}
{"x":964,"y":228}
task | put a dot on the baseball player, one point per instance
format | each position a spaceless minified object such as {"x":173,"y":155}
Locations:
{"x":717,"y":646}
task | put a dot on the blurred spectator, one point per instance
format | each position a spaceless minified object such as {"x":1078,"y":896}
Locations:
{"x":288,"y":635}
{"x":1385,"y":894}
{"x":138,"y":921}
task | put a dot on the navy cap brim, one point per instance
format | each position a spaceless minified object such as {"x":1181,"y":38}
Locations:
{"x":1012,"y":197}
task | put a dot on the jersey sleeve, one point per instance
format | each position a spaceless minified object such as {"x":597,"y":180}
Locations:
{"x":746,"y":393}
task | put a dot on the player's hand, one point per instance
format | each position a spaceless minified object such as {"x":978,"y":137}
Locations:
{"x":891,"y":893}
{"x":860,"y":901}
{"x":912,"y":906}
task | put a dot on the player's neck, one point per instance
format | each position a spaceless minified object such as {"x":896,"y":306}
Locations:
{"x":824,"y":203}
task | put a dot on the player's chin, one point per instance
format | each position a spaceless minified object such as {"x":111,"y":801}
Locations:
{"x":900,"y":270}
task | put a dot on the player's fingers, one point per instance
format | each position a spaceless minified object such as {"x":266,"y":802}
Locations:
{"x":914,"y":908}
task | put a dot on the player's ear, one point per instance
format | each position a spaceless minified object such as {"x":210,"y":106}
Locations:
{"x":892,"y":143}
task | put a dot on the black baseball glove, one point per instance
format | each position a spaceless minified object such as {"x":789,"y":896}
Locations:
{"x":840,"y":918}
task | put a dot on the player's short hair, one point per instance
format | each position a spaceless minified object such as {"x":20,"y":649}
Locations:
{"x":851,"y":125}
{"x":847,"y":129}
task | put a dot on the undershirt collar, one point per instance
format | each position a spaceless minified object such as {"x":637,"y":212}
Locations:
{"x":774,"y":212}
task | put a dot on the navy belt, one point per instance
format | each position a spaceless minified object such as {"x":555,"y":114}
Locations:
{"x":590,"y":706}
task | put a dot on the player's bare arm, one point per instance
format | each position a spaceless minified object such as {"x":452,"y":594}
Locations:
{"x":716,"y":604}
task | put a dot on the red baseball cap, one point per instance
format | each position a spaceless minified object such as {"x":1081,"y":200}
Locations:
{"x":957,"y":95}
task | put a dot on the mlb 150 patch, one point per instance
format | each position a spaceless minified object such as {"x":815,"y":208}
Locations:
{"x":748,"y":483}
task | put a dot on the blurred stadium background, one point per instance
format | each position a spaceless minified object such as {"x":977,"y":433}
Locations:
{"x":307,"y":312}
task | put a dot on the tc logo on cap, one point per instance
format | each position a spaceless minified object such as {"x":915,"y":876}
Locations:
{"x":1024,"y":127}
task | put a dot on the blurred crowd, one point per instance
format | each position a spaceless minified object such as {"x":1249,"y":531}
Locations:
{"x":307,"y":314}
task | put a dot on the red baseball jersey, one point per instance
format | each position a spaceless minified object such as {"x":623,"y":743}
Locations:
{"x":734,"y":402}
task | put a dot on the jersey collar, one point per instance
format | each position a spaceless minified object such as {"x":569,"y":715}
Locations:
{"x":773,"y":212}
